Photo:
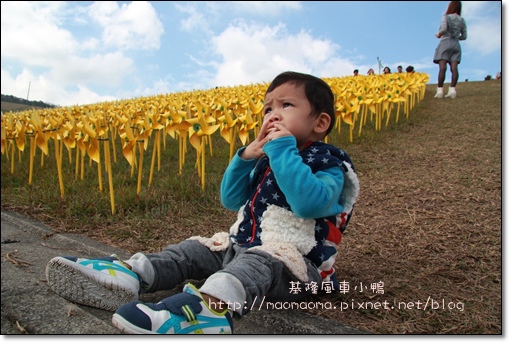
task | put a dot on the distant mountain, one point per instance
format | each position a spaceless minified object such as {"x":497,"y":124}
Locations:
{"x":13,"y":103}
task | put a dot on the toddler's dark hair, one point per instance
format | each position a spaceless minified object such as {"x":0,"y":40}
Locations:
{"x":317,"y":91}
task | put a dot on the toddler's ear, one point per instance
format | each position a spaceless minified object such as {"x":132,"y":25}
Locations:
{"x":322,"y":123}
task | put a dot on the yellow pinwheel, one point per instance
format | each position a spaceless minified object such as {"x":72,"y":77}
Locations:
{"x":245,"y":124}
{"x":198,"y":135}
{"x":228,"y":129}
{"x":194,"y":116}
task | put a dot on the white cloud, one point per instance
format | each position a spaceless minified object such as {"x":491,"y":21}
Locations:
{"x":107,"y":70}
{"x":484,"y":37}
{"x":201,"y":16}
{"x":272,"y":8}
{"x":252,"y":53}
{"x":195,"y":21}
{"x":67,"y":65}
{"x":39,"y":87}
{"x":484,"y":32}
{"x":131,"y":26}
{"x":31,"y":35}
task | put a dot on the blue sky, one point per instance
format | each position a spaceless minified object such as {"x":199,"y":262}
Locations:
{"x":77,"y":53}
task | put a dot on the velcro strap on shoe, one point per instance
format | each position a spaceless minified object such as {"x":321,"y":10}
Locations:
{"x":184,"y":304}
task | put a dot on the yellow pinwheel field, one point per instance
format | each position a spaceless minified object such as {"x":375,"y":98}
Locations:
{"x":94,"y":135}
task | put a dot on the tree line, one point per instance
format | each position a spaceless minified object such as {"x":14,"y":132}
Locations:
{"x":16,"y":100}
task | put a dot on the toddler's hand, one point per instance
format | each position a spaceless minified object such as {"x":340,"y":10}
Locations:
{"x":277,"y":130}
{"x":254,"y":149}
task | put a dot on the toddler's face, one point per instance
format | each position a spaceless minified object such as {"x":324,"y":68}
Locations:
{"x":287,"y":109}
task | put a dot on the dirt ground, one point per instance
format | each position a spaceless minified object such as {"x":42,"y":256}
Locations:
{"x":428,"y":220}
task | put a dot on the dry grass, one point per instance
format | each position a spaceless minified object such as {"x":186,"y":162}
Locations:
{"x":427,"y":223}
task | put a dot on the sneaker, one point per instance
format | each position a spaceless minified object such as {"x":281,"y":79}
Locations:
{"x":183,"y":313}
{"x":105,"y":283}
{"x":439,"y":94}
{"x":451,"y":94}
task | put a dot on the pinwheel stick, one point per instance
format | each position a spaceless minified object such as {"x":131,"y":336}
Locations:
{"x":182,"y":152}
{"x":363,"y":118}
{"x":181,"y":157}
{"x":140,"y":167}
{"x":11,"y":143}
{"x":232,"y":135}
{"x":160,"y":138}
{"x":58,"y":158}
{"x":407,"y":105}
{"x":113,"y":132}
{"x":77,"y":163}
{"x":388,"y":108}
{"x":338,"y":122}
{"x":82,"y":164}
{"x":202,"y":174}
{"x":32,"y":156}
{"x":209,"y":141}
{"x":154,"y":154}
{"x":378,"y":117}
{"x":109,"y":171}
{"x":99,"y":171}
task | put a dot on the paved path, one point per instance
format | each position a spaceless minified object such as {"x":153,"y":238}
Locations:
{"x":29,"y":306}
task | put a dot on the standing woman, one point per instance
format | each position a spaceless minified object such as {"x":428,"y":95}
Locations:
{"x":452,"y":30}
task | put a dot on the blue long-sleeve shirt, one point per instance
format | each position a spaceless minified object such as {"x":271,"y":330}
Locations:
{"x":309,"y":183}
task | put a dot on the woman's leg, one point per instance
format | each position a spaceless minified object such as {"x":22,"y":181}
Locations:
{"x":455,"y":73}
{"x":442,"y":73}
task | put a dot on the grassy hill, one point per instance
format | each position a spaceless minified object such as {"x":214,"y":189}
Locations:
{"x":427,"y":224}
{"x":10,"y":106}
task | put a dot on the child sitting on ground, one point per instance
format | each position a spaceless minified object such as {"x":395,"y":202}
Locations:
{"x":294,"y":195}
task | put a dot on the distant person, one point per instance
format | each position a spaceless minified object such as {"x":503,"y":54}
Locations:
{"x":280,"y":240}
{"x":370,"y":71}
{"x":452,"y":30}
{"x":498,"y":75}
{"x":410,"y":69}
{"x":399,"y":69}
{"x":356,"y":72}
{"x":386,"y":70}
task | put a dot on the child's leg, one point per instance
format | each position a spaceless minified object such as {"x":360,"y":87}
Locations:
{"x":251,"y":278}
{"x":104,"y":282}
{"x":175,"y":264}
{"x":256,"y":276}
{"x":107,"y":283}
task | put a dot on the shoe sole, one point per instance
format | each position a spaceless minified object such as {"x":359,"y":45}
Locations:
{"x":126,"y":327}
{"x":86,"y":286}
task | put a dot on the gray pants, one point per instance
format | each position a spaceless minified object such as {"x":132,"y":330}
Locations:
{"x":239,"y":277}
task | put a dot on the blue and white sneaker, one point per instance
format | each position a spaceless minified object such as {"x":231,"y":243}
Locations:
{"x":105,"y":283}
{"x":183,"y":313}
